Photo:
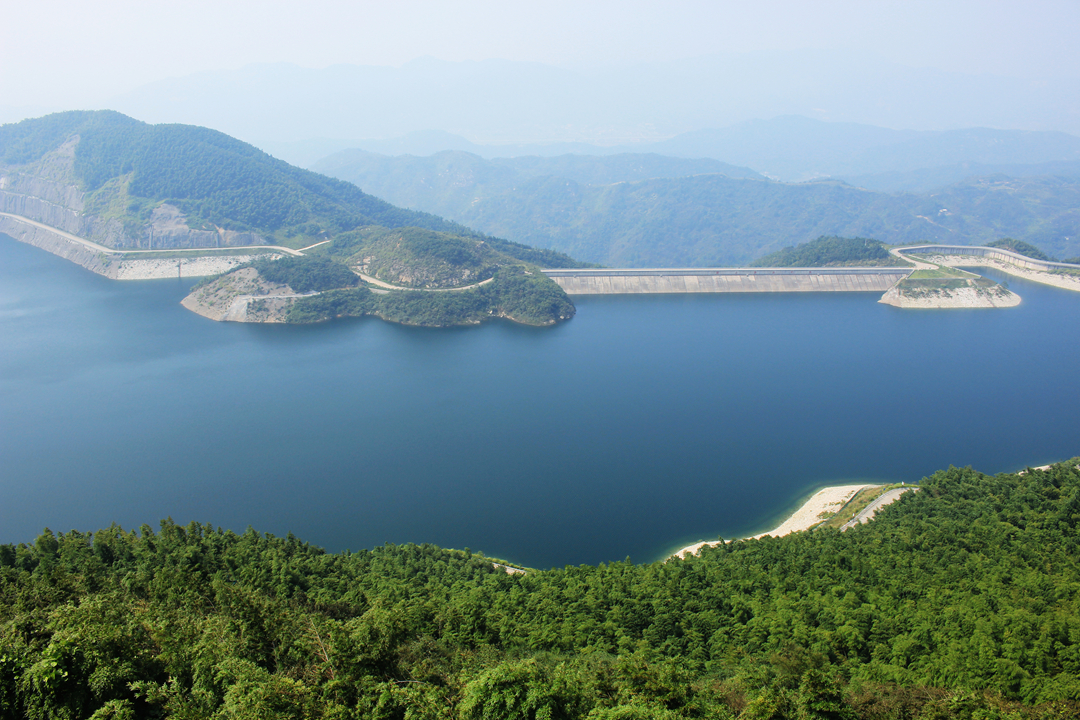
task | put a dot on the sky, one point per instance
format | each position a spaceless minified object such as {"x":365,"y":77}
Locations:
{"x":63,"y":54}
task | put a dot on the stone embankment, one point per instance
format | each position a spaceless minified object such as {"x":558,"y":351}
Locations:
{"x":726,"y":280}
{"x":91,"y":256}
{"x":1047,"y":273}
{"x":123,"y":264}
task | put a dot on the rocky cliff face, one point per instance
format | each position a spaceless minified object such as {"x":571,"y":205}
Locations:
{"x":169,"y":230}
{"x":49,"y":192}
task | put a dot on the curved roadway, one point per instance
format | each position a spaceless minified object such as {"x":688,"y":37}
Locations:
{"x":886,"y":498}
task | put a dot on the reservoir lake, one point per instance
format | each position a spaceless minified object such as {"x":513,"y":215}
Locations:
{"x":642,"y":425}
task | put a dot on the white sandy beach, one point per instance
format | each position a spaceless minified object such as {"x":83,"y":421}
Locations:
{"x":827,"y":500}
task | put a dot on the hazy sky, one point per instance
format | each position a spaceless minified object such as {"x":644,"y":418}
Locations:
{"x":64,"y":53}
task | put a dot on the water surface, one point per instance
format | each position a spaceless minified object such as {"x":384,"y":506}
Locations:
{"x":643,"y":424}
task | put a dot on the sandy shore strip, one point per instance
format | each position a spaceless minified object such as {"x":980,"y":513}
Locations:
{"x":826,"y":500}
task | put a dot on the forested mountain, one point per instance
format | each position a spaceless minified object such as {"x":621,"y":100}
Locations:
{"x":128,"y":171}
{"x":710,"y":219}
{"x":961,"y":600}
{"x":448,"y":181}
{"x":832,"y":252}
{"x":123,"y":183}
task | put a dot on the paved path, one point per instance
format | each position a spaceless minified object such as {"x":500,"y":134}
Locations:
{"x":886,"y":498}
{"x":509,"y":569}
{"x":918,"y":264}
{"x":379,"y":283}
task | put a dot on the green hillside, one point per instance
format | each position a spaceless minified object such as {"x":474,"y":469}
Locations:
{"x":408,"y":275}
{"x":128,"y":168}
{"x":1020,"y":247}
{"x":709,"y":219}
{"x":832,"y":252}
{"x":961,"y":600}
{"x":134,"y":180}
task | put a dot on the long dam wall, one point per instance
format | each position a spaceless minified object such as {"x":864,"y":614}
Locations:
{"x":726,"y":280}
{"x":1007,"y":256}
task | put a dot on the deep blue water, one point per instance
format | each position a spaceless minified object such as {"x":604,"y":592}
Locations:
{"x":643,"y":424}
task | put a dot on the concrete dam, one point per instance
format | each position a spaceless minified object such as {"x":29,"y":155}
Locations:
{"x":727,"y":280}
{"x":1007,"y":256}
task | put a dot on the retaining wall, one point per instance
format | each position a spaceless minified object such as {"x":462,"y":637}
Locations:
{"x":726,"y":280}
{"x":987,"y":252}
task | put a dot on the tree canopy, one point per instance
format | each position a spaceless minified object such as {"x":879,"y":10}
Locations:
{"x":830,"y":251}
{"x":958,"y":601}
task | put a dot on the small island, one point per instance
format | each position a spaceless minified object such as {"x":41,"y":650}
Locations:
{"x":419,"y":278}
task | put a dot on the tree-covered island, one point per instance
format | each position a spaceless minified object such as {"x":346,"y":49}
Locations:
{"x":408,"y":275}
{"x":126,"y":185}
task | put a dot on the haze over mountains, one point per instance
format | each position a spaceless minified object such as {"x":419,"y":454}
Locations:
{"x":664,"y":162}
{"x":790,"y":148}
{"x":502,"y":101}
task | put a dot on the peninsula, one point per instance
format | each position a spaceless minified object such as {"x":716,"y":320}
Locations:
{"x":130,"y":200}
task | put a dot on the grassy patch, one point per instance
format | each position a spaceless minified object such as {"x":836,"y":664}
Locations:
{"x":942,"y":271}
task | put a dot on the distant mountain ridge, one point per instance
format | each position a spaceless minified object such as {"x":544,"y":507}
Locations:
{"x":795,"y":149}
{"x":448,"y":181}
{"x":700,"y":220}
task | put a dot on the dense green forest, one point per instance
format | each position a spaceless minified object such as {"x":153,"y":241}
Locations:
{"x":831,"y":251}
{"x":214,"y":179}
{"x":306,"y":274}
{"x":1020,"y":247}
{"x":515,"y":293}
{"x":961,"y":600}
{"x":710,"y":219}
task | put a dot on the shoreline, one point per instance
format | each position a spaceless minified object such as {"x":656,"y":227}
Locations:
{"x":1065,"y":282}
{"x":826,"y":500}
{"x":117,"y":264}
